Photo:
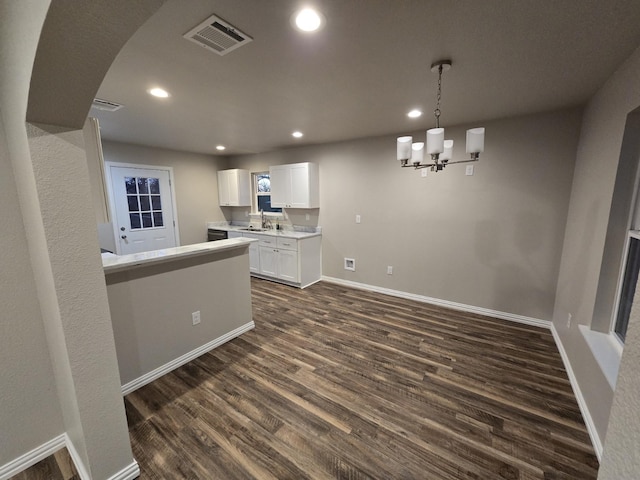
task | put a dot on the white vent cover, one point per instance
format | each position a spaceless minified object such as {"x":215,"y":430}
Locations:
{"x":105,"y":105}
{"x":217,"y":35}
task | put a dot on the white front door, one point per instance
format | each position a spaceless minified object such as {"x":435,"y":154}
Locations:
{"x":143,"y":208}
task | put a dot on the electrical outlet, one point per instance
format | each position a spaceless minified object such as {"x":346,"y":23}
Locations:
{"x":569,"y":316}
{"x":389,"y":270}
{"x":357,"y":218}
{"x":307,"y":217}
{"x":469,"y":170}
{"x":195,"y":317}
{"x":423,"y":172}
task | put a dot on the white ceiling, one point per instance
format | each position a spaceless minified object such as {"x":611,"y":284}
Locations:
{"x":362,"y":72}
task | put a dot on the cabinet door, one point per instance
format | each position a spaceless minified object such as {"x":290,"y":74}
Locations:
{"x":280,"y":177}
{"x":254,"y":257}
{"x":268,"y":262}
{"x":288,"y":265}
{"x":299,"y":177}
{"x":223,"y":188}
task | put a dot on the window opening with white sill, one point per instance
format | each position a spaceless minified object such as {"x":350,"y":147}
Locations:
{"x":262,"y":193}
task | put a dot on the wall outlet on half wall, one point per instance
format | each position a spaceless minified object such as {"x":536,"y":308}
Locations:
{"x":569,"y":316}
{"x":195,"y":317}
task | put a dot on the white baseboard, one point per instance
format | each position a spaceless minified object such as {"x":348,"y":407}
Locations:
{"x":128,"y":473}
{"x":32,"y":457}
{"x":81,"y":468}
{"x":588,"y":420}
{"x":187,"y":357}
{"x":586,"y":415}
{"x":442,"y":303}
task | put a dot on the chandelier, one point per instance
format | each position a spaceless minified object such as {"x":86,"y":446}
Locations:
{"x":412,"y":154}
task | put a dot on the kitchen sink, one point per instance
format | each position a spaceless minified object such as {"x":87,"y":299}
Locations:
{"x":250,"y":229}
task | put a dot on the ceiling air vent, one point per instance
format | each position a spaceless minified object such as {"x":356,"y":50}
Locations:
{"x":217,"y":35}
{"x":105,"y":105}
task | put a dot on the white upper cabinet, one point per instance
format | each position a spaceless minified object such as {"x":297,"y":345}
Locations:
{"x":295,"y":186}
{"x":234,"y":188}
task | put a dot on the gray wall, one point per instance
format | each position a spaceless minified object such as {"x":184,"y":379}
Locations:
{"x":490,"y":240}
{"x":196,"y":183}
{"x":621,"y":459}
{"x":30,"y":412}
{"x":592,"y":192}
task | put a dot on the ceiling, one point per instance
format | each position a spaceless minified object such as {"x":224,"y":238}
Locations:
{"x":361,"y":74}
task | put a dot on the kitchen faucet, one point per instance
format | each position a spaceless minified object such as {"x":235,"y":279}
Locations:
{"x":265,"y":222}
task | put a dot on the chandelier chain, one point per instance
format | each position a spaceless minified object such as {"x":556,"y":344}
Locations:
{"x":439,"y":97}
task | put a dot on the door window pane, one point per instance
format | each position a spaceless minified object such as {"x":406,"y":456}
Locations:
{"x":155,"y":202}
{"x":145,"y":204}
{"x":146,"y":220}
{"x":154,"y":186}
{"x":133,"y":203}
{"x":130,"y":185}
{"x":134,"y":218}
{"x":157,"y":219}
{"x":142,"y":185}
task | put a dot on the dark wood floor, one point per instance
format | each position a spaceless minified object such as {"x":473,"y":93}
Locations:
{"x":341,"y":383}
{"x":58,"y":466}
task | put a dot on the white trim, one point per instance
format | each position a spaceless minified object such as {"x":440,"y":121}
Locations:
{"x":112,"y":205}
{"x":187,"y":357}
{"x":606,"y":349}
{"x":443,"y":303}
{"x":127,"y":473}
{"x":81,"y":468}
{"x":32,"y":457}
{"x":582,"y":403}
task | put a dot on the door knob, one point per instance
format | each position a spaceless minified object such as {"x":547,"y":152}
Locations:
{"x":124,"y":237}
{"x":122,"y":229}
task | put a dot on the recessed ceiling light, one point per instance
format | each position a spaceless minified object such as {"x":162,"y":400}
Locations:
{"x":297,"y":134}
{"x":308,"y":20}
{"x":159,"y":92}
{"x":220,"y":147}
{"x":414,"y":114}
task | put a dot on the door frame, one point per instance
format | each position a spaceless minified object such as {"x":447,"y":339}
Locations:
{"x":112,"y":205}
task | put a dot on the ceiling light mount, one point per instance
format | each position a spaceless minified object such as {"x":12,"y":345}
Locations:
{"x":412,"y":154}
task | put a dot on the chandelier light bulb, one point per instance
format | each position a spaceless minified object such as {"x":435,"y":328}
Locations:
{"x":417,"y":152}
{"x":404,"y":148}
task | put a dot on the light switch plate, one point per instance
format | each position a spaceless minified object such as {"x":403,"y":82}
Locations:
{"x":423,"y":172}
{"x":358,"y":219}
{"x":469,"y":170}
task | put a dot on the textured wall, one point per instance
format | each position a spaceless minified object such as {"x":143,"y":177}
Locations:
{"x":196,"y":183}
{"x":621,"y":458}
{"x":30,"y":410}
{"x":591,"y":196}
{"x":490,"y":240}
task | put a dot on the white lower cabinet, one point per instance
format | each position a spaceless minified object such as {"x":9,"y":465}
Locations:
{"x":296,"y":262}
{"x":279,"y":258}
{"x":254,"y":253}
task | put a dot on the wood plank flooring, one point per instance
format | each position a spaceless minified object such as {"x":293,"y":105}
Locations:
{"x":341,"y":383}
{"x":338,"y":383}
{"x":58,"y":466}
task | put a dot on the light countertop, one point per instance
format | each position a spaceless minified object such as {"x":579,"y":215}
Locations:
{"x":272,"y":231}
{"x":115,"y":263}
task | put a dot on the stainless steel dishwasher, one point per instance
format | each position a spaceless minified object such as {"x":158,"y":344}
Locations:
{"x":213,"y":235}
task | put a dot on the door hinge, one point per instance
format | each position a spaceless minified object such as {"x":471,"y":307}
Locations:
{"x":174,"y":224}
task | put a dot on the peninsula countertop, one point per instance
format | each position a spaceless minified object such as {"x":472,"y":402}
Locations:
{"x":116,"y":263}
